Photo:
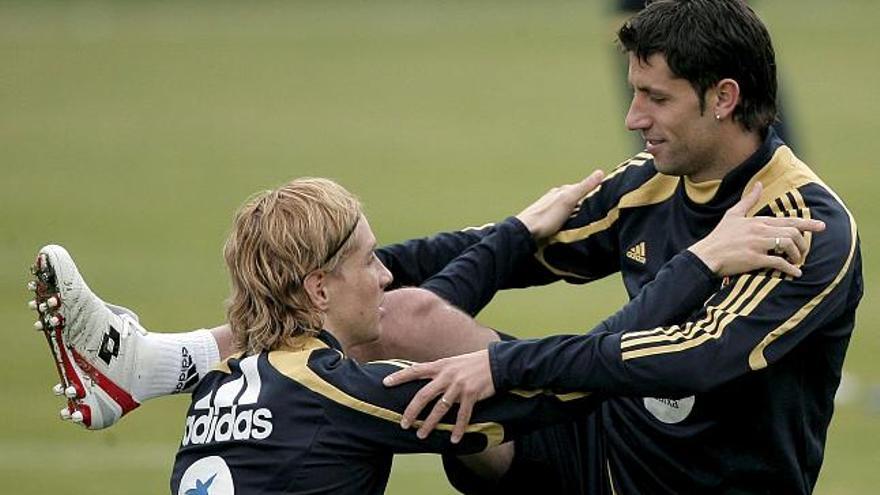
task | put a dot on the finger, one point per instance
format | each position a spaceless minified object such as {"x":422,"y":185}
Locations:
{"x":441,"y":407}
{"x":580,"y":189}
{"x":593,"y":181}
{"x":417,"y":371}
{"x":791,"y":242}
{"x":780,"y":264}
{"x":742,"y":207}
{"x":465,"y":409}
{"x":792,"y":254}
{"x":799,"y":241}
{"x":418,"y":402}
{"x":802,"y":224}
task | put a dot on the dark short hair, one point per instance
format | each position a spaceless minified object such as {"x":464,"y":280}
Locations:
{"x":705,"y":41}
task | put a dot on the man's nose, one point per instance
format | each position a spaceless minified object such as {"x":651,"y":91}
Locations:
{"x":636,"y":117}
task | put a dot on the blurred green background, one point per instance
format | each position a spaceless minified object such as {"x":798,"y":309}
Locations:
{"x":131,"y":130}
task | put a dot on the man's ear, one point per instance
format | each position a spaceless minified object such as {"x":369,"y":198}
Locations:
{"x":726,"y":98}
{"x":314,"y":284}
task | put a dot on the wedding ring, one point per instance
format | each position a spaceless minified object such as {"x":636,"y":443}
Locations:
{"x":777,"y":248}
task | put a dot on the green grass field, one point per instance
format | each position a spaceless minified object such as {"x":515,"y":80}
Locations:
{"x":130,"y":131}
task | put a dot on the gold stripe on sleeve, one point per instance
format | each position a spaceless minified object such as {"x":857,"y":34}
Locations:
{"x":294,"y":365}
{"x":656,"y":190}
{"x":580,"y":233}
{"x":734,"y":292}
{"x":757,"y":360}
{"x":774,"y":208}
{"x":787,"y":207}
{"x":539,"y":255}
{"x":710,"y":324}
{"x":805,"y":213}
{"x":714,"y":330}
{"x":676,"y":332}
{"x":770,"y":285}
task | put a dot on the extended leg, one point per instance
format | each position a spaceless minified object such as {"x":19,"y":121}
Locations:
{"x":106,"y":362}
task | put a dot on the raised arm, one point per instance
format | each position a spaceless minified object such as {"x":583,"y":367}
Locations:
{"x":471,"y":280}
{"x":414,"y":261}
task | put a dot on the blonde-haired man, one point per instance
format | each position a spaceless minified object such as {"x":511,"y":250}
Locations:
{"x":290,"y":412}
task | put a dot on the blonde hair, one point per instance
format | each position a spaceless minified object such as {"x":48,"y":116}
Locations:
{"x":278,"y":237}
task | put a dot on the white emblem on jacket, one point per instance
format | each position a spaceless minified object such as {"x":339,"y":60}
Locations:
{"x":207,"y":476}
{"x":670,"y":411}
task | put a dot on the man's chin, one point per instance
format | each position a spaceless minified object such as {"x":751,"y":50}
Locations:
{"x":666,"y":168}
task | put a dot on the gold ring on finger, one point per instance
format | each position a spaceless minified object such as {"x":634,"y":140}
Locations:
{"x":777,"y":247}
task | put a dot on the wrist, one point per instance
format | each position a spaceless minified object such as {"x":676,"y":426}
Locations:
{"x":704,"y":253}
{"x":526,"y":222}
{"x":522,"y":231}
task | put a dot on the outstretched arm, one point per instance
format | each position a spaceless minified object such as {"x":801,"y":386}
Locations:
{"x":359,"y":405}
{"x":739,"y":243}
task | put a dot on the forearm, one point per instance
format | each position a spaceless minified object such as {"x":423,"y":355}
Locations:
{"x":593,"y":361}
{"x":751,"y":322}
{"x":680,"y":288}
{"x":470,"y":281}
{"x":414,"y":261}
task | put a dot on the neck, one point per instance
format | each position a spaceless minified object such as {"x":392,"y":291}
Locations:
{"x":339,"y":336}
{"x":738,"y":145}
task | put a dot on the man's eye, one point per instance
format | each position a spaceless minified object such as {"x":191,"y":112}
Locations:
{"x":657,"y":98}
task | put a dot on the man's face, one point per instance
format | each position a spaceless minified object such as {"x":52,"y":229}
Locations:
{"x":666,"y":111}
{"x":356,"y":289}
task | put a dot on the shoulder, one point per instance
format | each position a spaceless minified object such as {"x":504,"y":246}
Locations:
{"x":792,"y":189}
{"x":633,"y":183}
{"x":328,"y":373}
{"x":633,"y":174}
{"x":305,"y":360}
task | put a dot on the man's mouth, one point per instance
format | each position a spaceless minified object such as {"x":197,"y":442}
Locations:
{"x":652,"y":144}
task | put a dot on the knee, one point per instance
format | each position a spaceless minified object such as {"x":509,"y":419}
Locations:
{"x":412,"y":304}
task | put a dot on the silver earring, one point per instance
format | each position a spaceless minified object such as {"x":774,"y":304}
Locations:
{"x":717,"y":117}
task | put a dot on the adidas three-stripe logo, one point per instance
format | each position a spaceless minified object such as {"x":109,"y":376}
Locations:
{"x":638,"y":253}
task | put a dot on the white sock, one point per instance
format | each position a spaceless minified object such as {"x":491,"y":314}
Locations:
{"x":170,"y":363}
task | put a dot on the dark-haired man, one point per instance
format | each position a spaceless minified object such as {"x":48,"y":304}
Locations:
{"x":737,"y":397}
{"x":783,"y":126}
